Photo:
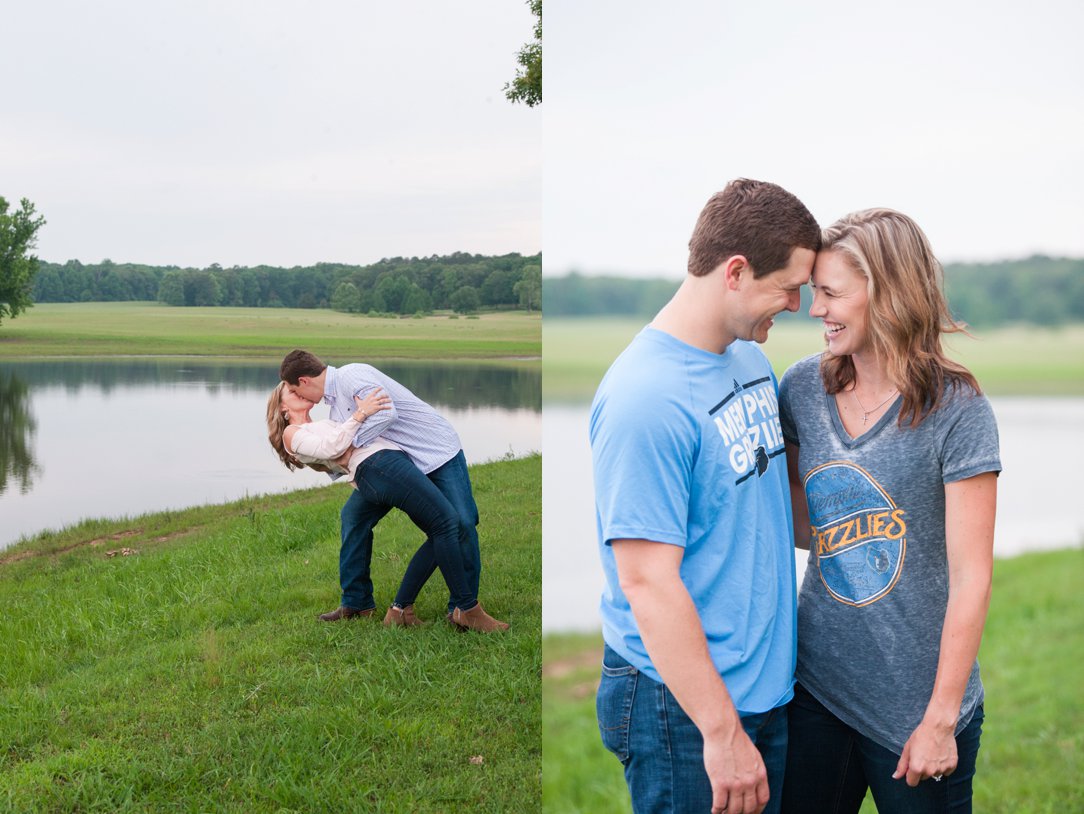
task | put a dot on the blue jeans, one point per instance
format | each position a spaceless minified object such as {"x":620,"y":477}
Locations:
{"x":453,"y":481}
{"x":830,"y":766}
{"x":661,"y":748}
{"x":386,"y":480}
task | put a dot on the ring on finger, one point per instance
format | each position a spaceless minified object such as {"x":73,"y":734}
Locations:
{"x":937,"y":778}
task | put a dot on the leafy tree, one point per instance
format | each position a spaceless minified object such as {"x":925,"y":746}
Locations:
{"x":529,"y":288}
{"x":18,"y":236}
{"x":417,"y":301}
{"x":171,"y":289}
{"x":498,"y":288}
{"x":372,"y":302}
{"x":201,"y":289}
{"x":527,"y":86}
{"x":17,"y":430}
{"x":346,"y":298}
{"x":393,"y":289}
{"x":48,"y":285}
{"x":465,"y":300}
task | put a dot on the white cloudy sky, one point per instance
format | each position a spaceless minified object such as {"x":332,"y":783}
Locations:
{"x":264,"y":131}
{"x":966,"y":115}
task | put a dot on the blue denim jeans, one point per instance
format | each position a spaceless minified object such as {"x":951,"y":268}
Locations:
{"x":661,"y":748}
{"x":386,"y":480}
{"x":830,"y":766}
{"x":453,"y":481}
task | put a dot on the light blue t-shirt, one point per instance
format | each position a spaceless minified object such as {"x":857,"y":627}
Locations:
{"x":688,"y":451}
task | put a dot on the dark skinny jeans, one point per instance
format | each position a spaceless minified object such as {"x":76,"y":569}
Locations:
{"x":389,"y":479}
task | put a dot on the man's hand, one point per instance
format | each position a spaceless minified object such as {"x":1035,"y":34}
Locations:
{"x":739,"y":781}
{"x":670,"y":626}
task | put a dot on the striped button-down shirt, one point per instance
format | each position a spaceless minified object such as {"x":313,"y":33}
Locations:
{"x":421,"y":431}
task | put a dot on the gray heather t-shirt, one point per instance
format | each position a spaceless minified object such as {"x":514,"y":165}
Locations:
{"x":873,"y":601}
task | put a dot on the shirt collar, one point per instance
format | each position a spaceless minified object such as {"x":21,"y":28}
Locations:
{"x":329,"y":385}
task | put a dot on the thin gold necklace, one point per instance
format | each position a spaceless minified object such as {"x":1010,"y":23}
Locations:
{"x":867,"y":413}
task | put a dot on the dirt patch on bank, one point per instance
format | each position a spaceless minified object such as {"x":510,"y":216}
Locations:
{"x":96,"y":542}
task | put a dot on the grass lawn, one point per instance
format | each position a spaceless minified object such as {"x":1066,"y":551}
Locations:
{"x":1032,"y":755}
{"x":193,"y":675}
{"x":140,"y":328}
{"x":1017,"y":360}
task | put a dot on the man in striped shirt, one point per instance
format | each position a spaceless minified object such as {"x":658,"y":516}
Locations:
{"x":422,"y":433}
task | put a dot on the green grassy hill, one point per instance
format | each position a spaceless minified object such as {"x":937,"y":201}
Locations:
{"x":174,"y":662}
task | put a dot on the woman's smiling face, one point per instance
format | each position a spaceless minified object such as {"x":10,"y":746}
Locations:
{"x":840,"y":301}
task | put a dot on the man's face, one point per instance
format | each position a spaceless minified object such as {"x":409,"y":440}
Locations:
{"x":763,"y":298}
{"x":307,"y":389}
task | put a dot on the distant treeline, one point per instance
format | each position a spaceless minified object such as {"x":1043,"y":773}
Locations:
{"x":399,"y":285}
{"x":1038,"y":290}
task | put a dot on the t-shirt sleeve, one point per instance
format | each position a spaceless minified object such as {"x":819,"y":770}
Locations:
{"x":971,"y":443}
{"x":786,"y":415}
{"x":643,"y":448}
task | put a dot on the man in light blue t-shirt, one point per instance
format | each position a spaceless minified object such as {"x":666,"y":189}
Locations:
{"x":694,"y":522}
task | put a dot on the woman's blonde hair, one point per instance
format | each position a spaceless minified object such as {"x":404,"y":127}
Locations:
{"x":907,"y":311}
{"x":277,"y":422}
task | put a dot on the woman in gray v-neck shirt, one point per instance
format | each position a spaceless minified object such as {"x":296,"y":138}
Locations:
{"x":893,"y":458}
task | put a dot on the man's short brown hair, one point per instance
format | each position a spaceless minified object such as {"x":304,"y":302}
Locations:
{"x":758,"y":220}
{"x":299,"y":363}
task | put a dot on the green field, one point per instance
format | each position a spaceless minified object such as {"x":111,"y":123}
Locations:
{"x":1016,"y":360}
{"x":193,"y":675}
{"x":1032,"y":755}
{"x":127,"y":328}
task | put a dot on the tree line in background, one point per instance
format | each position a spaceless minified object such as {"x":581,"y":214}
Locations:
{"x":460,"y":282}
{"x":1038,"y":290}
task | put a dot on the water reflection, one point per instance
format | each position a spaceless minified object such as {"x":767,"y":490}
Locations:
{"x":16,"y":433}
{"x":102,"y":438}
{"x":454,"y":384}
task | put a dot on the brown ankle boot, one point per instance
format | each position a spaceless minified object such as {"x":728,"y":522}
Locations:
{"x":477,"y":619}
{"x":402,"y":617}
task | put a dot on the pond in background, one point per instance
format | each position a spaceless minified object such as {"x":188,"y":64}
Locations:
{"x":1037,"y":505}
{"x":90,"y":438}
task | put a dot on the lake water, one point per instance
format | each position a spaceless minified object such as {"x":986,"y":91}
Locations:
{"x":89,"y":438}
{"x":1038,"y":505}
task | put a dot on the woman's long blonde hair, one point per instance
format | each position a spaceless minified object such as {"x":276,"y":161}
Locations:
{"x":907,"y":309}
{"x":277,"y":422}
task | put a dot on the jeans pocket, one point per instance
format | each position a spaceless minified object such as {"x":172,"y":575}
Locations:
{"x":613,"y":705}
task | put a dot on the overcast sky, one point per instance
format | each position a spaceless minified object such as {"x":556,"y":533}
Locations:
{"x":244,"y":132}
{"x":968,"y":116}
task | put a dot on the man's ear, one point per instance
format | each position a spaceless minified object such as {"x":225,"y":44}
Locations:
{"x":734,"y":269}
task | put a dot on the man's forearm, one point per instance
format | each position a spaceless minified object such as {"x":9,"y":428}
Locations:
{"x":674,"y":637}
{"x":669,"y":624}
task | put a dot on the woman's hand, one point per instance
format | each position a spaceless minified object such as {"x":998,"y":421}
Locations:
{"x":374,"y":402}
{"x":930,"y":752}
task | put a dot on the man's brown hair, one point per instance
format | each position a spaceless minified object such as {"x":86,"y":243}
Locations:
{"x":299,"y":363}
{"x":758,"y":220}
